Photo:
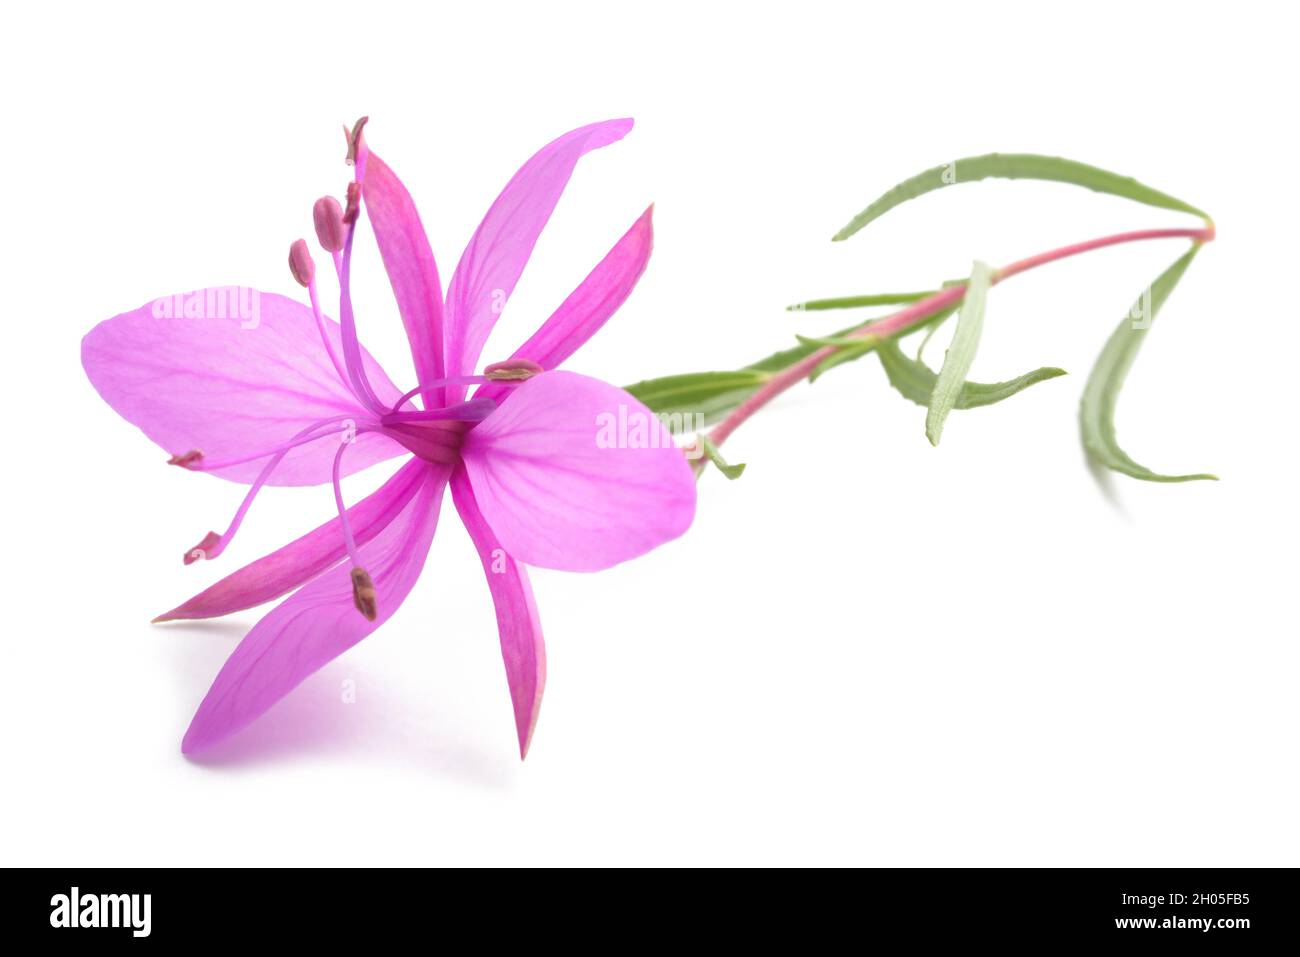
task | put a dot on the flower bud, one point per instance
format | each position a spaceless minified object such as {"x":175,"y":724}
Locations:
{"x":327,"y":214}
{"x":301,"y":264}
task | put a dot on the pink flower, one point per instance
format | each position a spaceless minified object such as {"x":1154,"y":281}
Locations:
{"x":260,"y":389}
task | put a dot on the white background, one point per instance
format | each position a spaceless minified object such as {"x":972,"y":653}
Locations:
{"x":866,"y":650}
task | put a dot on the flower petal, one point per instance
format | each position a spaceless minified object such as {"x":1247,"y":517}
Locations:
{"x":522,"y":647}
{"x":410,"y":264}
{"x":589,"y":306}
{"x":318,"y":623}
{"x":575,"y":474}
{"x":496,"y":255}
{"x":232,"y":387}
{"x":300,"y":561}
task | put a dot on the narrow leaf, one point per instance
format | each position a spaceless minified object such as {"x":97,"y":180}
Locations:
{"x":961,"y":352}
{"x":915,"y":380}
{"x":787,"y":357}
{"x":1097,"y":410}
{"x":1014,"y":166}
{"x":714,"y":394}
{"x":679,"y":399}
{"x":929,"y":334}
{"x":836,"y":341}
{"x":732,"y":472}
{"x":857,"y":302}
{"x":858,"y":349}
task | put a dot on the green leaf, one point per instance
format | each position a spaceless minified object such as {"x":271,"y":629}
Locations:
{"x":858,"y":349}
{"x":1097,"y":410}
{"x":929,"y":334}
{"x":915,"y":380}
{"x":787,"y":357}
{"x":857,"y":302}
{"x":732,"y":472}
{"x":678,"y":399}
{"x":821,"y":342}
{"x":961,"y":352}
{"x":1014,"y":166}
{"x":714,"y":394}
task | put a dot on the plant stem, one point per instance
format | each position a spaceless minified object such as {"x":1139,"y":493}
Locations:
{"x":924,"y":308}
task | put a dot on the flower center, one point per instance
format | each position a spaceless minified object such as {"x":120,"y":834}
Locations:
{"x":434,"y":441}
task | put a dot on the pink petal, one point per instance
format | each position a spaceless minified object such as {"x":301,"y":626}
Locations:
{"x":590,"y":305}
{"x":300,"y":561}
{"x":499,"y":250}
{"x":410,"y":264}
{"x":318,"y":623}
{"x":575,"y":474}
{"x":522,"y":647}
{"x":229,"y":391}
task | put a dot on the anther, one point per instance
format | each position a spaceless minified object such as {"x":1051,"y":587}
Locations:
{"x":186,"y":460}
{"x":512,"y":370}
{"x":301,"y":264}
{"x":203,"y":550}
{"x":363,"y":593}
{"x":327,"y":214}
{"x":354,"y":203}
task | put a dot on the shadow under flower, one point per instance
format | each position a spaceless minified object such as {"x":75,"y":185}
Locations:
{"x":325,"y":718}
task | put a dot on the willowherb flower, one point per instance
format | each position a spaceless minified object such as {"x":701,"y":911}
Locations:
{"x":289,"y":397}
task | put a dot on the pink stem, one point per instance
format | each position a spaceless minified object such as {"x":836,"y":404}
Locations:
{"x":924,"y":308}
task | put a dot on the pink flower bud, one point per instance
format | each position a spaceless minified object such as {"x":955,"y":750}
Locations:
{"x":301,"y":264}
{"x":330,"y":229}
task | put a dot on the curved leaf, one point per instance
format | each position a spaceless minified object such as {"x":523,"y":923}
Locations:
{"x":915,"y":380}
{"x":961,"y":352}
{"x":732,"y":472}
{"x":1015,"y":166}
{"x":1097,"y":409}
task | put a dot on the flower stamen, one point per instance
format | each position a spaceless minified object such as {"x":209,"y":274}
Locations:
{"x":363,"y":594}
{"x":471,"y":410}
{"x":354,"y":139}
{"x":195,"y":462}
{"x":204,"y":550}
{"x":347,"y":320}
{"x":324,"y":333}
{"x":435,"y":385}
{"x":512,"y":370}
{"x":186,"y":460}
{"x":331,"y":231}
{"x":363,"y":588}
{"x":301,"y":265}
{"x":214,"y":544}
